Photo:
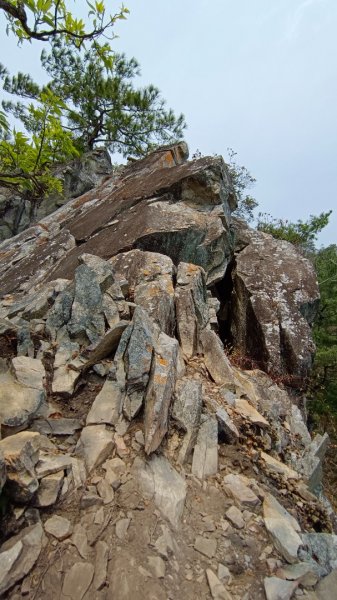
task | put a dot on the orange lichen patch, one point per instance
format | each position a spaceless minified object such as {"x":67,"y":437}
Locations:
{"x":160,"y":379}
{"x":162,"y":361}
{"x":192,"y":268}
{"x":6,"y":254}
{"x":146,"y":272}
{"x":43,"y":226}
{"x":167,"y":160}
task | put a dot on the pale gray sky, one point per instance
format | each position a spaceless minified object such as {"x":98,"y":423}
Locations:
{"x":259,"y":76}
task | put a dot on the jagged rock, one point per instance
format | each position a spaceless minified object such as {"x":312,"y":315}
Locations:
{"x":326,"y":589}
{"x":236,"y":486}
{"x":187,"y":412}
{"x":227,"y":427}
{"x":216,"y":361}
{"x":205,"y":456}
{"x":149,"y":275}
{"x":304,"y":573}
{"x":278,"y":467}
{"x":122,"y":527}
{"x":49,"y":489}
{"x":133,"y":211}
{"x":235,"y":517}
{"x":105,"y":346}
{"x":274,"y":301}
{"x":56,"y":427}
{"x":107,"y":406}
{"x":278,"y":589}
{"x":191,"y":306}
{"x":247,"y":411}
{"x":158,"y":480}
{"x":18,"y":403}
{"x":29,"y":371}
{"x":206,"y":546}
{"x":79,"y":539}
{"x":102,"y":269}
{"x":96,"y":443}
{"x":157,"y":566}
{"x":58,"y":527}
{"x":283,"y":529}
{"x":18,"y":556}
{"x":65,"y":379}
{"x":311,"y":462}
{"x":160,"y":391}
{"x":21,"y":453}
{"x":49,"y":464}
{"x":321,"y":548}
{"x":101,"y":564}
{"x":137,"y":359}
{"x":87,"y":320}
{"x":218,"y":590}
{"x":77,"y":580}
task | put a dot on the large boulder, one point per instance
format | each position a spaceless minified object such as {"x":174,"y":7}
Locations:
{"x":161,"y":204}
{"x":273,"y":304}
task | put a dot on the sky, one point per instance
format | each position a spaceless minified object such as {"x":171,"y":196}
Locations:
{"x":258,"y":76}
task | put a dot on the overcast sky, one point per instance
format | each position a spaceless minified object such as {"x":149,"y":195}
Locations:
{"x":258,"y":76}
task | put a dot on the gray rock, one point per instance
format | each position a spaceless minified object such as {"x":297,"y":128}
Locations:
{"x":158,"y":480}
{"x":191,"y":307}
{"x":49,"y":489}
{"x":77,"y":580}
{"x":246,"y":410}
{"x":101,"y":564}
{"x":59,"y":527}
{"x":157,"y":566}
{"x":274,"y":301}
{"x":160,"y":391}
{"x":217,"y":589}
{"x":21,"y":453}
{"x":215,"y":359}
{"x":305,"y":573}
{"x":237,"y":486}
{"x":49,"y":464}
{"x":105,"y":346}
{"x":105,"y":491}
{"x":56,"y":427}
{"x":107,"y":406}
{"x":326,"y":589}
{"x":102,"y":269}
{"x":205,"y":456}
{"x":206,"y":546}
{"x":226,"y":426}
{"x":283,"y":529}
{"x":235,"y":517}
{"x":322,"y":548}
{"x":18,"y":403}
{"x":187,"y":412}
{"x":29,"y":372}
{"x":80,"y":540}
{"x":122,"y":527}
{"x":64,"y":380}
{"x":95,"y":443}
{"x":86,"y":323}
{"x":311,"y":463}
{"x":278,"y":589}
{"x":149,"y":275}
{"x":137,"y":360}
{"x":18,"y":556}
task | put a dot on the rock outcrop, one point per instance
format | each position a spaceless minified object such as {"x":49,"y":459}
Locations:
{"x":77,"y":177}
{"x":172,"y":473}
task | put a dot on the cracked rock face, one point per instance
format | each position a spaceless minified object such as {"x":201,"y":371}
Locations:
{"x":274,"y":302}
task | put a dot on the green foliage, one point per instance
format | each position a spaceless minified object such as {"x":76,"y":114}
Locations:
{"x":242,"y":180}
{"x":302,"y":233}
{"x":101,"y":104}
{"x":26,"y":158}
{"x":51,"y":19}
{"x":324,"y":380}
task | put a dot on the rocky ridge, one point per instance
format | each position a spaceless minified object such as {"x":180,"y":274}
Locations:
{"x":136,"y":460}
